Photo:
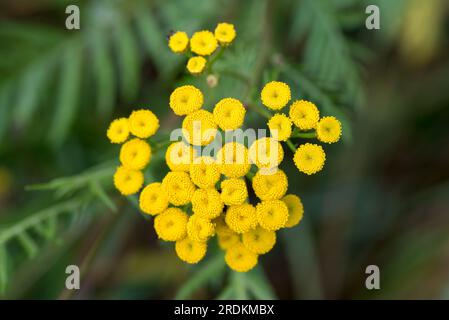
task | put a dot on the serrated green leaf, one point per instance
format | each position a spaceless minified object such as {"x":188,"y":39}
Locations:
{"x":98,"y":191}
{"x":28,"y":244}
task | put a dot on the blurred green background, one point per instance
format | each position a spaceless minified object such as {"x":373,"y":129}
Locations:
{"x":382,"y":199}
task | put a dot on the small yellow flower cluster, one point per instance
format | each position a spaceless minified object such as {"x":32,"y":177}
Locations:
{"x":204,"y":196}
{"x":305,"y":116}
{"x":135,"y":154}
{"x":202,"y":43}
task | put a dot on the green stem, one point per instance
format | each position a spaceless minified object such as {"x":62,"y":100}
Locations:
{"x":214,"y":58}
{"x":291,"y":145}
{"x":305,"y":135}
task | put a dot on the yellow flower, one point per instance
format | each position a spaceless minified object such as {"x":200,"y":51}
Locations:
{"x":272,"y":215}
{"x":135,"y":154}
{"x":199,"y":128}
{"x":128,"y":181}
{"x":203,"y":43}
{"x":199,"y":229}
{"x":259,"y":240}
{"x":179,"y":156}
{"x":204,"y":172}
{"x":241,"y":218}
{"x":304,"y":114}
{"x":275,"y":95}
{"x":171,"y":225}
{"x":207,"y":203}
{"x":227,"y":239}
{"x":233,"y":191}
{"x":240,"y":259}
{"x":153,"y":199}
{"x":295,"y":210}
{"x":328,"y":130}
{"x":266,"y":153}
{"x":178,"y":42}
{"x":280,"y":127}
{"x":225,"y":33}
{"x":179,"y":188}
{"x":270,"y":186}
{"x":233,"y":160}
{"x":190,"y":251}
{"x":143,"y":123}
{"x":186,"y":99}
{"x":196,"y":65}
{"x":118,"y":130}
{"x":309,"y":158}
{"x":229,"y":114}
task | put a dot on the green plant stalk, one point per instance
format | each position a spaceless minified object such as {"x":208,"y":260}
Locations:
{"x":290,"y":144}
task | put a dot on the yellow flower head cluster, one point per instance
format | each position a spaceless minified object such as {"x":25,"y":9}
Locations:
{"x":202,"y":44}
{"x":304,"y":115}
{"x":206,"y":197}
{"x":135,"y":154}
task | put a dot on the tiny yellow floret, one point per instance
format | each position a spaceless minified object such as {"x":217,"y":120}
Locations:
{"x":270,"y":186}
{"x":179,"y":187}
{"x":204,"y":172}
{"x":240,"y":259}
{"x":203,"y":43}
{"x":328,"y":130}
{"x":207,"y":203}
{"x":259,"y":240}
{"x":196,"y":65}
{"x":118,"y":131}
{"x":304,"y":114}
{"x":190,"y":251}
{"x":225,"y":33}
{"x":233,"y":160}
{"x":280,"y":127}
{"x":309,"y":158}
{"x":135,"y":154}
{"x":275,"y":95}
{"x":199,"y":128}
{"x":178,"y":42}
{"x":186,"y":99}
{"x":143,"y":123}
{"x":233,"y":191}
{"x":241,"y":218}
{"x":128,"y":181}
{"x":266,"y":153}
{"x":171,"y":225}
{"x":179,"y":156}
{"x":153,"y":199}
{"x":199,"y":229}
{"x":272,"y":215}
{"x":295,"y":210}
{"x":229,"y":114}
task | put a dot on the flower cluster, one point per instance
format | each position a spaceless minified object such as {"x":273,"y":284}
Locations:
{"x":135,"y":154}
{"x":237,"y":193}
{"x":207,"y":196}
{"x":305,"y":116}
{"x":201,"y":45}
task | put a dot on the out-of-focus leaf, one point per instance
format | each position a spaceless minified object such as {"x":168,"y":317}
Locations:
{"x":210,"y":269}
{"x":103,"y":70}
{"x":128,"y":58}
{"x":30,"y":91}
{"x":67,"y":99}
